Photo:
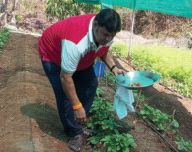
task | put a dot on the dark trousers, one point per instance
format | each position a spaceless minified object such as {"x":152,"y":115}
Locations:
{"x":85,"y":84}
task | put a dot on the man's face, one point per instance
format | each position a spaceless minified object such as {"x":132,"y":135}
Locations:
{"x":101,"y":35}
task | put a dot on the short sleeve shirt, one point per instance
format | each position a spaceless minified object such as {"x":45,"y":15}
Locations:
{"x":69,"y":43}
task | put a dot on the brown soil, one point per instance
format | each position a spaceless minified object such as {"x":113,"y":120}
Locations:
{"x":29,"y":121}
{"x":167,"y":101}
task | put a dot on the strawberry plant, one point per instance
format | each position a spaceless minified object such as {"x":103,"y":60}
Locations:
{"x":160,"y":119}
{"x":183,"y":145}
{"x":99,"y":92}
{"x":103,"y":116}
{"x":118,"y":142}
{"x":109,"y":135}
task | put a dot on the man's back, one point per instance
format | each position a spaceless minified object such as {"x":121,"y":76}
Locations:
{"x":72,"y":29}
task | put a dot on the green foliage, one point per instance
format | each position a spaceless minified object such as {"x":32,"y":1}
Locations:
{"x":120,"y":49}
{"x":103,"y":116}
{"x":19,"y":18}
{"x":99,"y":92}
{"x":118,"y":142}
{"x":4,"y":36}
{"x":64,"y":8}
{"x":183,"y":145}
{"x":173,"y":64}
{"x":109,"y":136}
{"x":160,"y":119}
{"x":110,"y":78}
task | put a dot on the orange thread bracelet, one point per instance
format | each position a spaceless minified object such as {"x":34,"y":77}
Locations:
{"x":77,"y":106}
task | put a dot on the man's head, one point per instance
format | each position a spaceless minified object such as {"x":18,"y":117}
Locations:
{"x":106,"y":24}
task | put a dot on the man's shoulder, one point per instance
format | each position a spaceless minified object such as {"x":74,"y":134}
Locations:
{"x":73,"y":28}
{"x":81,"y":20}
{"x":78,"y":27}
{"x":82,"y":17}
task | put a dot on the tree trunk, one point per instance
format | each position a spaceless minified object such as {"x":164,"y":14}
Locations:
{"x":3,"y":12}
{"x":15,"y":2}
{"x":13,"y":20}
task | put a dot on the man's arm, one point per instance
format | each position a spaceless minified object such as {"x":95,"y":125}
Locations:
{"x":70,"y":58}
{"x":107,"y":58}
{"x":69,"y":89}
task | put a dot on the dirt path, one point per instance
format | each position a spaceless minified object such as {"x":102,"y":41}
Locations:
{"x":29,"y":121}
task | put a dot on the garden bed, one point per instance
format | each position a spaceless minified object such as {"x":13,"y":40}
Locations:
{"x":28,"y":109}
{"x":168,"y":100}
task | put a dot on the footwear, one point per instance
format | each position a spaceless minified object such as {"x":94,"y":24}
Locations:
{"x":88,"y":132}
{"x":76,"y":143}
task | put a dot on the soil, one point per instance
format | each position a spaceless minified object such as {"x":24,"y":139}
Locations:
{"x":29,"y":120}
{"x":167,"y":101}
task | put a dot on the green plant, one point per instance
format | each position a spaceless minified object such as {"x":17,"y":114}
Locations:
{"x":64,"y":8}
{"x":163,"y":60}
{"x":99,"y":92}
{"x":118,"y":142}
{"x":4,"y":36}
{"x":183,"y":145}
{"x":162,"y":120}
{"x":120,"y":49}
{"x":19,"y":18}
{"x":103,"y":116}
{"x":109,"y":136}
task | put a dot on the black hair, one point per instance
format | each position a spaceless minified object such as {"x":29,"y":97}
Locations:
{"x":110,"y":19}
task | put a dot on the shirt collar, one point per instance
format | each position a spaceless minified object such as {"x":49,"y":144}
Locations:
{"x":90,"y":34}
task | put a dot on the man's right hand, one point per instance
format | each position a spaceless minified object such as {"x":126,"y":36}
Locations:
{"x":80,"y":115}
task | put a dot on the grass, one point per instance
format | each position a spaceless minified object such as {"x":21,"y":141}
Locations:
{"x":173,"y":64}
{"x":4,"y":36}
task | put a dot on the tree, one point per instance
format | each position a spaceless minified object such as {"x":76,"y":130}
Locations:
{"x":5,"y":12}
{"x":64,"y":8}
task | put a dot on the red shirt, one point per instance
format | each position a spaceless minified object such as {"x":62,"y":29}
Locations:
{"x":69,"y":43}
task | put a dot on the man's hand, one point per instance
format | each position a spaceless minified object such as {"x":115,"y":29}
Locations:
{"x":70,"y":91}
{"x":107,"y":58}
{"x":80,"y":115}
{"x":117,"y":71}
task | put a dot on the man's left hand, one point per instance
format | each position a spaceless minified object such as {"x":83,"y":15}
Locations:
{"x":117,"y":71}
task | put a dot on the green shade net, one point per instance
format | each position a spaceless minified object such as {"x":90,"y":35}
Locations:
{"x":172,"y":7}
{"x":89,"y":1}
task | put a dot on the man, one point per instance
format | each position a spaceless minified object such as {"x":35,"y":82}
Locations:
{"x":68,"y":49}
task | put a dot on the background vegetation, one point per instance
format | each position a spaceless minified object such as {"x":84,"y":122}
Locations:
{"x":64,"y":8}
{"x":4,"y":36}
{"x":173,"y":64}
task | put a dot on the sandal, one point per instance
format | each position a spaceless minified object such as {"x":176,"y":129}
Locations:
{"x":88,"y":132}
{"x":76,"y":143}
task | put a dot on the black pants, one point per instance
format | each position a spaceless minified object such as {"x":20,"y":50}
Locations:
{"x":85,"y":84}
